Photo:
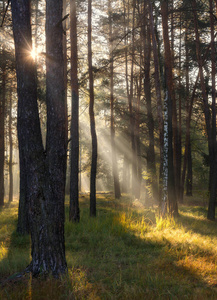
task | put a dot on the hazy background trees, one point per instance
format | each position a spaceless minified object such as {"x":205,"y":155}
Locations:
{"x":141,"y":51}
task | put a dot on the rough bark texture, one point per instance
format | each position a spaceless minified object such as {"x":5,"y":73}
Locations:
{"x":92,"y":118}
{"x":173,"y":208}
{"x":117,"y":190}
{"x":45,"y":170}
{"x":74,"y":213}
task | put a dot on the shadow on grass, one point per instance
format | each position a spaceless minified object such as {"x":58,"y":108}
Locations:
{"x":108,"y":260}
{"x":194,"y":219}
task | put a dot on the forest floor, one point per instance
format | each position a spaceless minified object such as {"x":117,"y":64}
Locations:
{"x":126,"y":252}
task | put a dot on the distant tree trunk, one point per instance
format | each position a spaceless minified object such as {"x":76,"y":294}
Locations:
{"x":74,"y":213}
{"x":2,"y":129}
{"x":10,"y":150}
{"x":92,"y":117}
{"x":172,"y":202}
{"x":189,"y":177}
{"x":45,"y":170}
{"x":112,"y":126}
{"x":126,"y":174}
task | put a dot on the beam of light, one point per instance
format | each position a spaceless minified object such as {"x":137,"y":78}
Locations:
{"x":33,"y":53}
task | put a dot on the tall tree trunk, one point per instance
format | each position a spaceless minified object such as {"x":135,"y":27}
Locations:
{"x":10,"y":150}
{"x":131,"y":110}
{"x":173,"y":207}
{"x":2,"y":128}
{"x":112,"y":125}
{"x":211,"y":143}
{"x":151,"y":162}
{"x":74,"y":213}
{"x":45,"y":170}
{"x":158,"y":94}
{"x":92,"y":117}
{"x":213,"y":159}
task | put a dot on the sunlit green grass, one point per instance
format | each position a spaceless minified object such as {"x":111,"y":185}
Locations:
{"x":126,"y":252}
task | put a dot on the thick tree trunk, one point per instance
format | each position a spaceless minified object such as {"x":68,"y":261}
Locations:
{"x":45,"y":170}
{"x":74,"y":213}
{"x":2,"y":129}
{"x":115,"y":172}
{"x":92,"y":118}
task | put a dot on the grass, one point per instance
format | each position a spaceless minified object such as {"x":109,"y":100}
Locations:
{"x":126,"y":252}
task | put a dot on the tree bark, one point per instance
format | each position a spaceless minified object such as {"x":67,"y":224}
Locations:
{"x":211,"y":143}
{"x":10,"y":150}
{"x":158,"y":94}
{"x":44,"y":170}
{"x":2,"y":128}
{"x":74,"y":213}
{"x":151,"y":161}
{"x":115,"y":172}
{"x":213,"y":159}
{"x":92,"y":118}
{"x":173,"y":207}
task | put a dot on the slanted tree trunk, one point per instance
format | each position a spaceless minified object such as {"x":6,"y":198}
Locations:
{"x":2,"y":128}
{"x":74,"y":213}
{"x":45,"y":170}
{"x":92,"y":118}
{"x":115,"y":172}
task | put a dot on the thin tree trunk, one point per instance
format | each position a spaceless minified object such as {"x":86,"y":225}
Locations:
{"x":10,"y":150}
{"x":2,"y":128}
{"x":189,"y":179}
{"x":92,"y":117}
{"x":151,"y":162}
{"x":74,"y":213}
{"x":173,"y":207}
{"x":115,"y":172}
{"x":211,"y":145}
{"x":213,"y":160}
{"x":158,"y":94}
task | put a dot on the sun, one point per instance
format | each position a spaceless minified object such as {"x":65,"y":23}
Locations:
{"x":33,"y":53}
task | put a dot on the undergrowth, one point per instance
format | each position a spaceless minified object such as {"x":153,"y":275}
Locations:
{"x":126,"y":252}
